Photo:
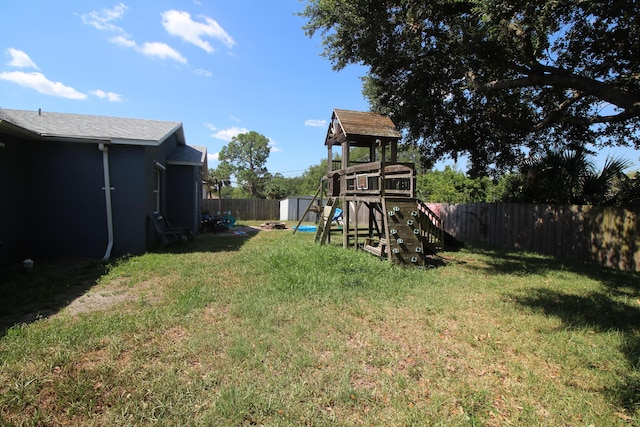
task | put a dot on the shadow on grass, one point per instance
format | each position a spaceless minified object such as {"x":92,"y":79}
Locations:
{"x":614,"y":306}
{"x":598,"y":312}
{"x":54,"y":283}
{"x":506,"y":261}
{"x":231,"y":240}
{"x":50,"y":286}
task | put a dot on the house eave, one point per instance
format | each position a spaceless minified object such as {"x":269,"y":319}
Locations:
{"x":178,"y":130}
{"x":97,"y":140}
{"x":14,"y":129}
{"x":179,"y":163}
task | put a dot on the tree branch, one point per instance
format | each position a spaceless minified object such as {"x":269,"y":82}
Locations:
{"x":562,"y":79}
{"x":553,"y":115}
{"x":615,"y":118}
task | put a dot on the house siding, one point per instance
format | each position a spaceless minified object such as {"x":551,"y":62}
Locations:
{"x":52,"y":195}
{"x":13,"y":199}
{"x":58,"y":203}
{"x":66,"y":202}
{"x":183,"y":196}
{"x":129,"y":198}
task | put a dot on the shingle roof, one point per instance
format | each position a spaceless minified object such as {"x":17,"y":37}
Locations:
{"x":86,"y":127}
{"x":358,"y":125}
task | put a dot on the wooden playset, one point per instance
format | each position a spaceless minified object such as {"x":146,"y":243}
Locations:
{"x":380,"y":211}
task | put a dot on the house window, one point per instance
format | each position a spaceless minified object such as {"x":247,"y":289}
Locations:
{"x":156,"y":188}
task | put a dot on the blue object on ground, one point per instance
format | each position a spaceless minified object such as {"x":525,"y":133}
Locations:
{"x":306,"y":228}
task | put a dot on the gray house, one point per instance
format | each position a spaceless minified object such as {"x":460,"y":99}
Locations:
{"x":80,"y":185}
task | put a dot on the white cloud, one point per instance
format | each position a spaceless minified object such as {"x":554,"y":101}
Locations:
{"x":162,"y":50}
{"x":213,"y":157}
{"x":112,"y":97}
{"x":152,"y":49}
{"x":102,"y":19}
{"x":179,"y":23}
{"x":38,"y":82}
{"x":123,"y":41}
{"x":203,"y":73}
{"x":228,"y":134}
{"x":273,"y":148}
{"x":20,"y":59}
{"x":315,"y":123}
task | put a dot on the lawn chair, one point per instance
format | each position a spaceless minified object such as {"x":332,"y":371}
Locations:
{"x":166,"y":232}
{"x":215,"y":223}
{"x":337,"y":219}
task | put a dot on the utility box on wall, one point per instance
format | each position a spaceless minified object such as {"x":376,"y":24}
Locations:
{"x":293,"y":208}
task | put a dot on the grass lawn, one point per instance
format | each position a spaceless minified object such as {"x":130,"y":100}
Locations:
{"x":272,"y":329}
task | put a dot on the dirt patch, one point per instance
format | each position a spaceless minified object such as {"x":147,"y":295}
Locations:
{"x":102,"y":297}
{"x":116,"y":292}
{"x":241,"y":230}
{"x":273,"y":226}
{"x":94,"y":301}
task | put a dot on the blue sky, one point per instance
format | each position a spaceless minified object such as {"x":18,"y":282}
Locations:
{"x":221,"y":67}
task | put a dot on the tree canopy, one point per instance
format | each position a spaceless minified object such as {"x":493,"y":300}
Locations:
{"x":492,"y":79}
{"x":570,"y":177}
{"x":245,"y":157}
{"x":453,"y":186}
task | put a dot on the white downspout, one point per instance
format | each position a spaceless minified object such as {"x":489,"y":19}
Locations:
{"x":107,"y":197}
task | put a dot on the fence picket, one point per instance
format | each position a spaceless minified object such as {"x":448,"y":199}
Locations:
{"x":603,"y":235}
{"x":247,"y":209}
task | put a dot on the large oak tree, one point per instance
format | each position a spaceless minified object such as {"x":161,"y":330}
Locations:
{"x":492,"y":79}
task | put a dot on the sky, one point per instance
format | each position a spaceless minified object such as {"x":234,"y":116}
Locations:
{"x":221,"y":67}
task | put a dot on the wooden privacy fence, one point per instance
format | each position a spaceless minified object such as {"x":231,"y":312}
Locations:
{"x":607,"y":236}
{"x":246,"y":209}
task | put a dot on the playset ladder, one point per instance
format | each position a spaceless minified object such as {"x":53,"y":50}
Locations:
{"x":310,"y":206}
{"x":324,"y":225}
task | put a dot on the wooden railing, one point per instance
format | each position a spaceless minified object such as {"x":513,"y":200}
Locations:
{"x":337,"y":164}
{"x":431,"y":227}
{"x":369,"y":179}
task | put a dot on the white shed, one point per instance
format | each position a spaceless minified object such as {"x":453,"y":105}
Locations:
{"x":293,"y":208}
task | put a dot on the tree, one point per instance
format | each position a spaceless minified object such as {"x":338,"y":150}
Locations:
{"x":453,"y":186}
{"x":211,"y":184}
{"x":217,"y":179}
{"x":569,"y":177}
{"x":278,"y":187}
{"x":312,"y":177}
{"x":628,"y":195}
{"x":245,"y":156}
{"x":487,"y":78}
